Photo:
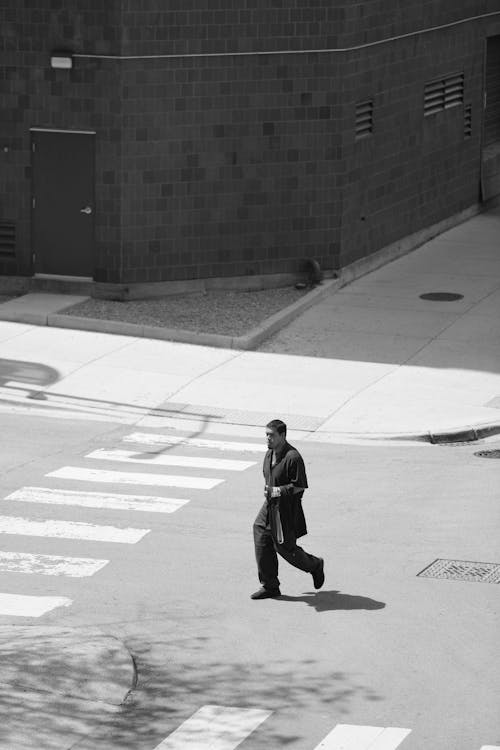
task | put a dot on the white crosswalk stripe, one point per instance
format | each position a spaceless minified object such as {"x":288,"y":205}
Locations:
{"x":214,"y":728}
{"x":127,"y":477}
{"x":49,"y":565}
{"x":17,"y":605}
{"x":33,"y":563}
{"x":189,"y":462}
{"x":225,"y":723}
{"x":70,"y":530}
{"x":149,"y":438}
{"x":353,"y":737}
{"x":490,"y":747}
{"x":108,"y":501}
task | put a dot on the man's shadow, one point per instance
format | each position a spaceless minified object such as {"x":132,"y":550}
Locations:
{"x":324,"y":601}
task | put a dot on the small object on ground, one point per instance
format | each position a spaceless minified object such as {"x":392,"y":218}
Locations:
{"x":314,"y":272}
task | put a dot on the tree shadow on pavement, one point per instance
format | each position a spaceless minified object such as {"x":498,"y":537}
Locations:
{"x":52,"y":688}
{"x":326,"y":601}
{"x":168,"y":694}
{"x":176,"y":677}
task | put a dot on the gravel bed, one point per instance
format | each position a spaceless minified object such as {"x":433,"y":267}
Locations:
{"x":229,"y":313}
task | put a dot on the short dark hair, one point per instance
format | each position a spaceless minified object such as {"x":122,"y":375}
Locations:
{"x":278,"y":425}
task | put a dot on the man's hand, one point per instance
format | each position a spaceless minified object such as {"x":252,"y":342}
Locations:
{"x":275,"y":491}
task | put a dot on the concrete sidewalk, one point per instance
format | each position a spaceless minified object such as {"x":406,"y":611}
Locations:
{"x":368,"y":360}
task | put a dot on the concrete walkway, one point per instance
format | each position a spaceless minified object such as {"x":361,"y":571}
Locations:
{"x":369,"y":360}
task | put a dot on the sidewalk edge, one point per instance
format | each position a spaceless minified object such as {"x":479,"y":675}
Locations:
{"x":469,"y":434}
{"x":247,"y":341}
{"x":280,"y":319}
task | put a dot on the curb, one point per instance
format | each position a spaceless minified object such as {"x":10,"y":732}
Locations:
{"x":456,"y":435}
{"x":246,"y":342}
{"x":466,"y":435}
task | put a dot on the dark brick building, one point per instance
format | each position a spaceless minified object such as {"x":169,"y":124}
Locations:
{"x":208,"y":139}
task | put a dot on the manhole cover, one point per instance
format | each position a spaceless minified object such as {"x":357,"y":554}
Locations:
{"x":462,"y":570}
{"x":488,"y":454}
{"x":442,"y":296}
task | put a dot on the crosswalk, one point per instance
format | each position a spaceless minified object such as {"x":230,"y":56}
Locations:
{"x":128,"y":477}
{"x":151,"y":450}
{"x":103,"y":500}
{"x":214,"y":727}
{"x":211,"y":727}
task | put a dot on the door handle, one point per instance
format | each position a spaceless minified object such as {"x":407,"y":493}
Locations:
{"x":86,"y":210}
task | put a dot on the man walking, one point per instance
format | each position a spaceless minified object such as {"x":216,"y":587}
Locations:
{"x":280,"y":521}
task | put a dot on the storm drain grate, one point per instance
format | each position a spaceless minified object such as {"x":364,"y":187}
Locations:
{"x":462,"y":570}
{"x":488,"y":454}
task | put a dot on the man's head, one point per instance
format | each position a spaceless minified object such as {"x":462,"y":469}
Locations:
{"x":275,"y":434}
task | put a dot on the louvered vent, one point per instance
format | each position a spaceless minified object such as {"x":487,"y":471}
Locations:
{"x":7,"y":238}
{"x":364,"y":119}
{"x":443,"y":94}
{"x":468,"y":121}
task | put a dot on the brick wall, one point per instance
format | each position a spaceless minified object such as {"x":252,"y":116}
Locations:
{"x":413,"y":171}
{"x":233,"y":165}
{"x":34,"y":95}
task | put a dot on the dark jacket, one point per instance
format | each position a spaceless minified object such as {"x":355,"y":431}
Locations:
{"x":288,"y":472}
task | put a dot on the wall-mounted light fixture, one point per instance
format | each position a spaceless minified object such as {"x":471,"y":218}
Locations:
{"x":61,"y":60}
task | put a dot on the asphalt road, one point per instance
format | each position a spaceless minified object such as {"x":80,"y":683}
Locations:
{"x":377,"y":647}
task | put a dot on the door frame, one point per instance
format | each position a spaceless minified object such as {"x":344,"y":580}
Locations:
{"x":62,"y":277}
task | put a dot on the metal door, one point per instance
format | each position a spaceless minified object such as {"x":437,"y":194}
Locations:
{"x":63,"y":203}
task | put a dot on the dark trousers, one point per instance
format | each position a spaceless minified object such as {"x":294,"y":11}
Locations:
{"x":267,"y":550}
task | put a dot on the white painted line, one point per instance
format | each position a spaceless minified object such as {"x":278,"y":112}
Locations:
{"x":353,"y":737}
{"x":490,"y":747}
{"x":15,"y":605}
{"x":70,"y":530}
{"x":126,"y":477}
{"x":148,"y":438}
{"x":214,"y":728}
{"x":108,"y":501}
{"x":188,"y":462}
{"x":349,"y":737}
{"x":49,"y":565}
{"x":390,"y":738}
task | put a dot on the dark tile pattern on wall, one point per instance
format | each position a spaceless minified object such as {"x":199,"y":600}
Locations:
{"x":36,"y":96}
{"x":247,"y":182}
{"x":210,"y":164}
{"x":415,"y":170}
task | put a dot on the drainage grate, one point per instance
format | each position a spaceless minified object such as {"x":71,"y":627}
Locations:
{"x":451,"y":444}
{"x":234,"y":416}
{"x":462,"y":570}
{"x":442,"y":296}
{"x":495,"y":453}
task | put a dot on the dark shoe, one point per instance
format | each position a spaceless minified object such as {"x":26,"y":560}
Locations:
{"x":265,"y":593}
{"x":319,"y":574}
